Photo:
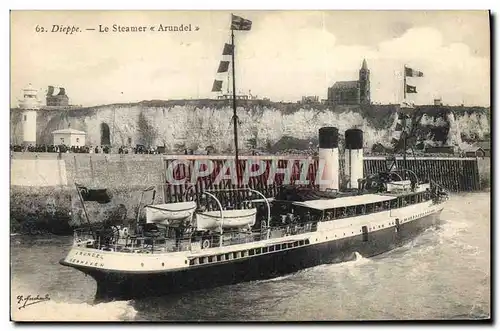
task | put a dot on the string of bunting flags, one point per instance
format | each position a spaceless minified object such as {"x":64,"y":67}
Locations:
{"x":237,"y":24}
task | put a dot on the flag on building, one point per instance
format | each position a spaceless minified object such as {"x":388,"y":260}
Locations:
{"x":217,"y":87}
{"x":409,"y":72}
{"x":223,"y":66}
{"x":97,"y":195}
{"x":411,"y":89}
{"x":239,"y":23}
{"x":228,"y":49}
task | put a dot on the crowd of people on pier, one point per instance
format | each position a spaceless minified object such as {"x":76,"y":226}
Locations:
{"x":140,"y":149}
{"x":51,"y":149}
{"x":45,"y":148}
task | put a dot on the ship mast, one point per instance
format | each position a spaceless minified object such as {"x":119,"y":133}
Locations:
{"x":235,"y":117}
{"x":404,"y":133}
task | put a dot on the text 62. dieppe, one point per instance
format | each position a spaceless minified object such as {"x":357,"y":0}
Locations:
{"x":73,"y":29}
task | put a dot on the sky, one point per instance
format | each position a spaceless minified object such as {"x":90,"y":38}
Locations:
{"x":286,"y":55}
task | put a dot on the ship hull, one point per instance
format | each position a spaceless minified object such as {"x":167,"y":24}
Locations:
{"x":127,"y":285}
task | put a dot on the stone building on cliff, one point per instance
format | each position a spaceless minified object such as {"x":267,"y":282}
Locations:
{"x":56,"y":100}
{"x":355,"y":92}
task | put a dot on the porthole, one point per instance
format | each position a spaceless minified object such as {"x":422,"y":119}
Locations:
{"x":142,"y":264}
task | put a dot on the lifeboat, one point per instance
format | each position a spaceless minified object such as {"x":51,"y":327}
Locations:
{"x":236,"y":218}
{"x":170,"y":213}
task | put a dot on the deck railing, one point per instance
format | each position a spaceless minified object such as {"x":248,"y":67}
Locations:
{"x":162,"y":244}
{"x":131,"y":243}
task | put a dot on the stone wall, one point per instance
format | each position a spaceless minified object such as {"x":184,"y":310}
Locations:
{"x":42,"y":187}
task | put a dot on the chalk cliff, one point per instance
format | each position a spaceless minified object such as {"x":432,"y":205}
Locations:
{"x":197,"y":124}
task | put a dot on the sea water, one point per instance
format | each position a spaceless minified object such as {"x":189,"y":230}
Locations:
{"x":442,"y":274}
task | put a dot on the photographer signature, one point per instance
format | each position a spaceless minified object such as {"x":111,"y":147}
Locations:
{"x":25,"y":301}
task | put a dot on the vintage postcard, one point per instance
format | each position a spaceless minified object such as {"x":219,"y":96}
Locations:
{"x":272,"y":166}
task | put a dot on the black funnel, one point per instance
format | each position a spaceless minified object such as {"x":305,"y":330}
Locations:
{"x":328,"y":137}
{"x":354,"y":139}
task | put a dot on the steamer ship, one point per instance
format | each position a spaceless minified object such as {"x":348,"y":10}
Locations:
{"x":203,"y":243}
{"x":185,"y":245}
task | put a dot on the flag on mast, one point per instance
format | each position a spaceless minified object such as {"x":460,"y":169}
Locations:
{"x":223,"y":66}
{"x":97,"y":195}
{"x":228,"y":49}
{"x":411,"y":89}
{"x":217,"y":87}
{"x":240,"y":23}
{"x":409,"y":72}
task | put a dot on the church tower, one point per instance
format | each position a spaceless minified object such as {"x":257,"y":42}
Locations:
{"x":364,"y":84}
